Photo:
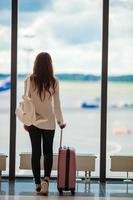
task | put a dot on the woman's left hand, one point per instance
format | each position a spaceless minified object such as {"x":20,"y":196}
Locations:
{"x":25,"y":127}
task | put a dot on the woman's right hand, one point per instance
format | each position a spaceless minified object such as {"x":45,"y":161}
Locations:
{"x":61,"y":125}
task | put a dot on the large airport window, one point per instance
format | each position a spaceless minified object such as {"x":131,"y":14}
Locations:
{"x":120,"y":90}
{"x":5,"y":63}
{"x":71,"y":32}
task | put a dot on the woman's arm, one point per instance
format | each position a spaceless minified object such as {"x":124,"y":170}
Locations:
{"x":25,"y":86}
{"x":57,"y":107}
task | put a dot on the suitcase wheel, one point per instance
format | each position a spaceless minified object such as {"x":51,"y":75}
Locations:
{"x":73,"y":191}
{"x":60,"y":191}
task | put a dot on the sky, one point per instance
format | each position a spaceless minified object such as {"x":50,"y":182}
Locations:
{"x":71,"y":31}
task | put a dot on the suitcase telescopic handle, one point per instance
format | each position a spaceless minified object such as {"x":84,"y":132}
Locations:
{"x":61,"y":138}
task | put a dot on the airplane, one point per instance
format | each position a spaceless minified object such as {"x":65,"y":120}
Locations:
{"x":5,"y":85}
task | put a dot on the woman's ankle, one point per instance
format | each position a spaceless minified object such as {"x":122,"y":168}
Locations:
{"x":38,"y":182}
{"x":46,"y":178}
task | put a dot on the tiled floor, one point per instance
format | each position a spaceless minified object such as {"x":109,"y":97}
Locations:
{"x":58,"y":198}
{"x":24,"y":190}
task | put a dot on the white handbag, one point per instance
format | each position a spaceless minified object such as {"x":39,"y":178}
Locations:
{"x":26,"y":109}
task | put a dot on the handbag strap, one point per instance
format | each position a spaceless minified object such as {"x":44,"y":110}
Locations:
{"x":27,"y":87}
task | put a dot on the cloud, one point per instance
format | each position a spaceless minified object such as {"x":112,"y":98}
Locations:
{"x":71,"y":31}
{"x":126,"y":4}
{"x":5,"y":18}
{"x":5,"y":5}
{"x":72,"y":43}
{"x":35,"y":5}
{"x":120,"y":22}
{"x":120,"y":56}
{"x":5,"y":36}
{"x":121,"y":37}
{"x":5,"y":63}
{"x":26,"y":5}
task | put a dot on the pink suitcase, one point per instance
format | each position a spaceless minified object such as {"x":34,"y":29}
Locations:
{"x":66,"y":169}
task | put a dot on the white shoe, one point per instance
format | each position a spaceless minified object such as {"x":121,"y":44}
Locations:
{"x":44,"y":187}
{"x":38,"y":188}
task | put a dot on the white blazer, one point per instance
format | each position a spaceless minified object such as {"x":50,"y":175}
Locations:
{"x":49,"y":108}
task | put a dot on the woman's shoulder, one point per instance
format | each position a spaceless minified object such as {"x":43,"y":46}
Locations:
{"x":27,"y":78}
{"x":56,"y":80}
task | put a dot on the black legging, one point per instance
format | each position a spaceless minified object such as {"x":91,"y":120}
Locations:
{"x":38,"y":136}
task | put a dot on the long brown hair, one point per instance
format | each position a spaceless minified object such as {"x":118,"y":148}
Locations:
{"x":43,"y":75}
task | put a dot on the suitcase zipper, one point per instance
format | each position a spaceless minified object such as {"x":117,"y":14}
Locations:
{"x":67,"y":168}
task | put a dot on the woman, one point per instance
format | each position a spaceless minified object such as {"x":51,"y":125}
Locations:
{"x":44,"y":92}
